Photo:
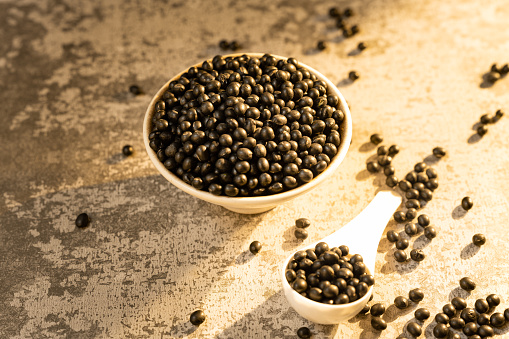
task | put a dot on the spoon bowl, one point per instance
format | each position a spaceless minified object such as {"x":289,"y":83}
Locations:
{"x":361,"y":235}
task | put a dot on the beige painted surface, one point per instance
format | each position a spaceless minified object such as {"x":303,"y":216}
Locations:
{"x":152,"y":254}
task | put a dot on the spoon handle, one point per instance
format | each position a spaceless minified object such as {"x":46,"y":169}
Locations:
{"x":363,"y":233}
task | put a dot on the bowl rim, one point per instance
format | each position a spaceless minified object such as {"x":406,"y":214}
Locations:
{"x":346,"y":137}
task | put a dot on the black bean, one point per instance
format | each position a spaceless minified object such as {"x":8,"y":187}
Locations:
{"x":342,"y":299}
{"x":481,"y":306}
{"x":483,"y":319}
{"x":439,"y":152}
{"x":457,"y":323}
{"x":411,"y":229}
{"x":314,"y":293}
{"x":485,"y":331}
{"x":400,"y":256}
{"x":401,"y":302}
{"x":467,"y":203}
{"x":411,"y":177}
{"x":377,"y":309}
{"x":497,"y":319}
{"x":197,"y":317}
{"x":135,"y":89}
{"x":422,"y":314}
{"x":301,"y":233}
{"x":468,"y":314}
{"x":442,"y":318}
{"x":304,"y":333}
{"x":361,"y":46}
{"x":373,"y":167}
{"x":420,"y":167}
{"x":470,"y":328}
{"x":290,"y":275}
{"x":367,"y":278}
{"x":82,"y":220}
{"x":467,"y":284}
{"x":412,"y":194}
{"x":441,"y":331}
{"x":414,"y":329}
{"x":321,"y":45}
{"x":255,"y":247}
{"x":365,"y":309}
{"x":389,"y":170}
{"x":413,"y":203}
{"x":376,"y":138}
{"x":482,"y":130}
{"x":405,"y":185}
{"x":302,"y":223}
{"x":382,"y":150}
{"x":399,"y":216}
{"x":479,"y":239}
{"x":384,"y":160}
{"x":378,"y":323}
{"x":391,"y":180}
{"x":493,"y":300}
{"x":430,"y":232}
{"x":417,"y":255}
{"x":432,"y":184}
{"x":300,"y":285}
{"x":392,"y":236}
{"x":344,"y":249}
{"x":459,"y":303}
{"x":402,"y":244}
{"x":393,"y":150}
{"x":416,"y":295}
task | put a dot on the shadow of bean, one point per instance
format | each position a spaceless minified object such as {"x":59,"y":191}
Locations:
{"x":485,"y":82}
{"x":290,"y":241}
{"x":431,"y":160}
{"x":459,"y":292}
{"x":469,"y":251}
{"x":312,"y":51}
{"x":366,"y":147}
{"x":345,"y":82}
{"x":458,"y":212}
{"x":392,"y":313}
{"x":354,"y":52}
{"x":476,"y":126}
{"x":363,"y":175}
{"x":474,"y":138}
{"x":116,"y":159}
{"x":428,"y":330}
{"x":421,"y":242}
{"x":244,"y":257}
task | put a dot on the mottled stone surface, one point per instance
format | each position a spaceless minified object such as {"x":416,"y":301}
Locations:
{"x":152,"y":254}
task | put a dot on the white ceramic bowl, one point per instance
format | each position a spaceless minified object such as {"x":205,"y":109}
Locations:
{"x":251,"y":205}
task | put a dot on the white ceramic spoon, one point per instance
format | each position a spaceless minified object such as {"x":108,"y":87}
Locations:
{"x":361,"y":235}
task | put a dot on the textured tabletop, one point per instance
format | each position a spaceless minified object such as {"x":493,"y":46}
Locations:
{"x":152,"y":254}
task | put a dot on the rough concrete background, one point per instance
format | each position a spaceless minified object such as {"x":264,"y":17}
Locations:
{"x":152,"y":254}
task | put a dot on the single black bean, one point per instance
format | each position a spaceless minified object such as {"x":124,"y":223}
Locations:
{"x":493,"y":300}
{"x":470,"y":329}
{"x":401,"y":302}
{"x":304,"y":333}
{"x":373,"y":167}
{"x":127,"y":150}
{"x":405,"y":185}
{"x":441,"y":331}
{"x":378,"y":323}
{"x":497,"y":319}
{"x":467,"y":203}
{"x":301,"y":233}
{"x":417,"y":255}
{"x":416,"y":295}
{"x":302,"y":223}
{"x":481,"y":305}
{"x":457,"y":323}
{"x":459,"y":303}
{"x":423,"y":220}
{"x":353,"y":75}
{"x":400,"y":256}
{"x":402,"y":244}
{"x":392,"y":236}
{"x":485,"y":331}
{"x":467,"y":284}
{"x":468,"y":314}
{"x":377,"y":309}
{"x":439,"y":152}
{"x":422,"y":314}
{"x":482,"y":130}
{"x":411,"y":229}
{"x":399,"y":216}
{"x":430,"y":232}
{"x":82,"y":220}
{"x":197,"y":317}
{"x":376,"y":138}
{"x":442,"y":318}
{"x":479,"y":239}
{"x":483,"y":319}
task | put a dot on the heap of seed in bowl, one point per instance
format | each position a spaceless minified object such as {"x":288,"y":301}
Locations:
{"x":246,"y":126}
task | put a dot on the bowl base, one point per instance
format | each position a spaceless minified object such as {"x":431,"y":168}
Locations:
{"x":249,"y":210}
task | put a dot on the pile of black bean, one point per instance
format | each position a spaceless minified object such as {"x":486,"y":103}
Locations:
{"x":487,"y":119}
{"x":474,"y":322}
{"x":329,"y":275}
{"x":246,"y":126}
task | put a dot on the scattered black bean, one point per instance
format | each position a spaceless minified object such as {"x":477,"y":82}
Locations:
{"x":348,"y":12}
{"x":401,"y":302}
{"x":197,"y":317}
{"x":334,"y":12}
{"x":321,"y":45}
{"x":459,"y":303}
{"x":361,"y":46}
{"x":497,"y":319}
{"x":393,"y":150}
{"x":449,"y":309}
{"x":414,"y":329}
{"x":365,"y":309}
{"x":467,"y":284}
{"x":376,"y":138}
{"x":439,"y":152}
{"x":483,"y":319}
{"x":377,"y":309}
{"x":430,"y":232}
{"x":493,"y":300}
{"x":378,"y":323}
{"x":485,"y":331}
{"x":423,"y":220}
{"x":481,"y":306}
{"x":373,"y":167}
{"x":411,"y":229}
{"x":485,"y":119}
{"x":420,"y":167}
{"x":135,"y":89}
{"x":400,"y":256}
{"x":457,"y":323}
{"x":392,"y":236}
{"x":422,"y":314}
{"x":479,"y":239}
{"x":442,"y":318}
{"x":468,"y":314}
{"x":391,"y":180}
{"x":402,"y":244}
{"x":255,"y":247}
{"x":470,"y":328}
{"x":82,"y":220}
{"x":441,"y":331}
{"x":492,"y":77}
{"x":301,"y":233}
{"x":467,"y":203}
{"x":417,"y":255}
{"x":304,"y":333}
{"x":482,"y":130}
{"x":353,"y":75}
{"x":302,"y":223}
{"x":224,"y":45}
{"x":411,"y":214}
